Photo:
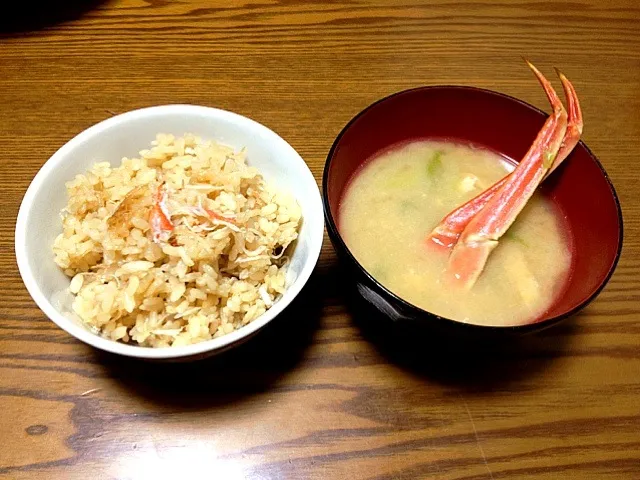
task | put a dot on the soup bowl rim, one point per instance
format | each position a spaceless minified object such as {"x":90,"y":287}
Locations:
{"x":336,"y":236}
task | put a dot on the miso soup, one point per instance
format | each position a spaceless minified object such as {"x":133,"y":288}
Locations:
{"x":397,"y":198}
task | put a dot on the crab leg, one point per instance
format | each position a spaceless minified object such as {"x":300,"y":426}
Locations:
{"x":481,"y":234}
{"x":446,"y":234}
{"x":574,"y":127}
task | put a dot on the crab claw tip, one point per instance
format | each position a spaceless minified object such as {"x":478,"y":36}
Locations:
{"x":561,"y":75}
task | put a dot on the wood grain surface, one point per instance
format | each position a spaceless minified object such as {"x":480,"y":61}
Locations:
{"x":326,"y":392}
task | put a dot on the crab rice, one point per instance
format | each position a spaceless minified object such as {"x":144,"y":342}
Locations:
{"x":183,"y":244}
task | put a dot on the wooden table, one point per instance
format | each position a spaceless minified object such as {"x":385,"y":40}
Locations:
{"x":317,"y":395}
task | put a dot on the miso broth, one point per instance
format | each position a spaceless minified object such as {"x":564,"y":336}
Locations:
{"x":396,"y":200}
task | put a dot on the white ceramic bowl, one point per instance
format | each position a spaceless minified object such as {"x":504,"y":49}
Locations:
{"x":125,"y":135}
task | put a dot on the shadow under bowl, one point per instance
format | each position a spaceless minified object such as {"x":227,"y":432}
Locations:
{"x":580,"y":188}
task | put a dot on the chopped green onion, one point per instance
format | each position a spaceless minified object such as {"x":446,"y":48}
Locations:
{"x":515,"y":237}
{"x":434,"y":165}
{"x":549,"y":157}
{"x":406,"y":205}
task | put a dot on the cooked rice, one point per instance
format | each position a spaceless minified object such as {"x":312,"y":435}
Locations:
{"x":221,"y":267}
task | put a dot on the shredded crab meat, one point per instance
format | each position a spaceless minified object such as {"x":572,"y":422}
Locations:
{"x":199,"y":228}
{"x":257,"y":233}
{"x":251,"y":259}
{"x":164,"y":208}
{"x":253,"y":253}
{"x":200,"y":212}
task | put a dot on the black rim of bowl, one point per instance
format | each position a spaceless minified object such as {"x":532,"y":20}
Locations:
{"x":407,"y":306}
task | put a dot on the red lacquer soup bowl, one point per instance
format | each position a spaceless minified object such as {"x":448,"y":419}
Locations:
{"x":580,"y":188}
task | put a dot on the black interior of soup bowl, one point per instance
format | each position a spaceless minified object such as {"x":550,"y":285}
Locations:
{"x":580,"y":187}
